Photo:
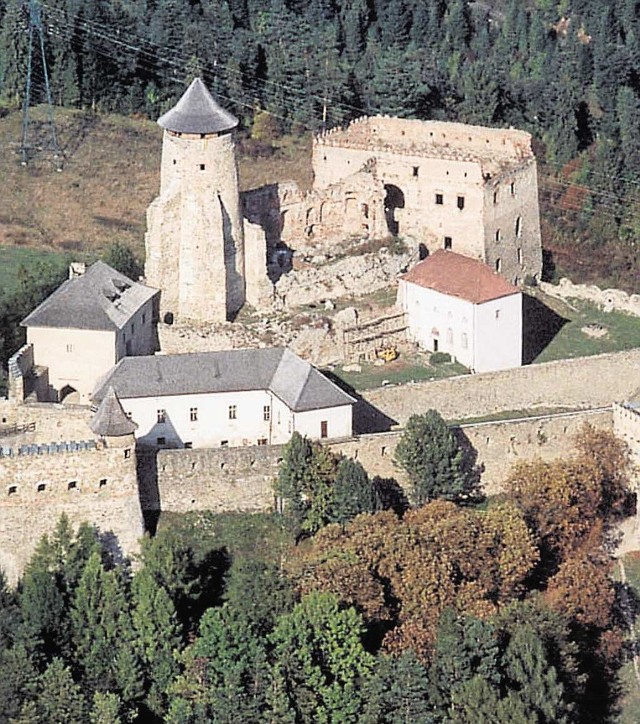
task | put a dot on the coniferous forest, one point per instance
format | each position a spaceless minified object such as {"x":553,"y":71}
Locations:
{"x":566,"y":70}
{"x":350,"y":605}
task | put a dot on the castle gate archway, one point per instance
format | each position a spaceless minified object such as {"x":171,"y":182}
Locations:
{"x":394,"y":199}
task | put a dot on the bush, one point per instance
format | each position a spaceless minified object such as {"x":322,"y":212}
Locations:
{"x":439,"y":358}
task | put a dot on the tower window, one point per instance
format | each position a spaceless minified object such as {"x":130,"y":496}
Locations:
{"x":461,"y":202}
{"x":416,"y":170}
{"x":498,"y":264}
{"x":497,"y":234}
{"x":520,"y":256}
{"x":439,"y":199}
{"x":72,"y":485}
{"x":518,"y":226}
{"x":202,"y":167}
{"x":13,"y":489}
{"x":448,"y":242}
{"x":102,"y":483}
{"x":41,"y":487}
{"x":512,"y":188}
{"x":174,"y":162}
{"x":495,"y":197}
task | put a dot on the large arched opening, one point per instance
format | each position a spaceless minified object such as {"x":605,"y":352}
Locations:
{"x":69,"y":395}
{"x":394,"y":199}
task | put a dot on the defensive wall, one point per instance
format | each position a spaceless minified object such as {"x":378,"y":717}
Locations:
{"x":241,"y":479}
{"x":581,"y":383}
{"x":86,"y":481}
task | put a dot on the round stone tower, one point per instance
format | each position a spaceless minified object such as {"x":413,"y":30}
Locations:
{"x":194,"y":240}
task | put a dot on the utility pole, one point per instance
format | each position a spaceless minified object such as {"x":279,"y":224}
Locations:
{"x":35,"y":29}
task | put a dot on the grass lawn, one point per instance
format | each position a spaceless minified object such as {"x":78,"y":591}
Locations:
{"x":622,"y":331}
{"x":407,"y":368}
{"x":13,"y":257}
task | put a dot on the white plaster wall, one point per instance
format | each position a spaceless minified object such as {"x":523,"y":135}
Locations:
{"x":339,"y":422}
{"x":75,"y":357}
{"x":139,"y":332}
{"x":281,"y":421}
{"x":497,"y":339}
{"x":428,"y":310}
{"x":213,"y":424}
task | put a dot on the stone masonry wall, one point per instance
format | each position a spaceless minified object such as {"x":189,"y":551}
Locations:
{"x":608,"y":299}
{"x":586,"y":382}
{"x":241,"y":479}
{"x":96,"y":486}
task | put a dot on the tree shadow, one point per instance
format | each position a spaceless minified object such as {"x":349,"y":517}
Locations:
{"x":540,"y":324}
{"x":391,"y":495}
{"x":471,"y":470}
{"x":366,"y":418}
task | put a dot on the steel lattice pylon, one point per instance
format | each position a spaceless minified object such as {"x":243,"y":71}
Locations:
{"x":35,"y":28}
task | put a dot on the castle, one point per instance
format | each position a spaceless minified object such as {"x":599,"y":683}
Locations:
{"x":210,"y":249}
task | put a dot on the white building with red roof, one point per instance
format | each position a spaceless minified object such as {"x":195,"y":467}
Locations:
{"x":458,"y":305}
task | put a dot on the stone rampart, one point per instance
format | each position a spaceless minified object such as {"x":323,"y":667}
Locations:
{"x":608,"y":299}
{"x":241,"y":479}
{"x":582,"y":383}
{"x":498,"y":445}
{"x":41,"y":422}
{"x":92,"y":485}
{"x":217,"y":479}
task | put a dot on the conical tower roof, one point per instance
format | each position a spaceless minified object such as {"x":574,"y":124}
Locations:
{"x":197,"y":112}
{"x":111,"y":420}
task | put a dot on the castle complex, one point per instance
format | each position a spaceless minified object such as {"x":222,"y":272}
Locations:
{"x":465,"y":197}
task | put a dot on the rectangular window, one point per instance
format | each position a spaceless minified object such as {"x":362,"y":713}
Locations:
{"x":461,"y":202}
{"x":262,"y":441}
{"x":202,"y":167}
{"x":416,"y":170}
{"x":69,"y":348}
{"x":233,"y":412}
{"x":512,"y":188}
{"x":102,"y":483}
{"x":439,"y":199}
{"x":188,"y":445}
{"x":448,"y":242}
{"x":161,"y":440}
{"x":127,"y":453}
{"x":193,"y":414}
{"x":266,"y":413}
{"x":520,"y":256}
{"x":224,"y":443}
{"x":497,"y":314}
{"x":162,"y":416}
{"x":133,"y":328}
{"x":144,"y":318}
{"x":324,"y":428}
{"x":495,"y":197}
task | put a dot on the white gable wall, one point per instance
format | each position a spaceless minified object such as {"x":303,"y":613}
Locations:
{"x":338,"y":422}
{"x":75,"y":357}
{"x":498,"y":337}
{"x":472,"y":333}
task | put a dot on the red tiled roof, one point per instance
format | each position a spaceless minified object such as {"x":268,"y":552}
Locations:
{"x":459,"y":276}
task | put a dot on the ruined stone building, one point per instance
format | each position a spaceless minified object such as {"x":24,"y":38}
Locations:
{"x":470,"y":189}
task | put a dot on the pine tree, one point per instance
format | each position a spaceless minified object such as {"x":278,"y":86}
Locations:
{"x":352,"y":492}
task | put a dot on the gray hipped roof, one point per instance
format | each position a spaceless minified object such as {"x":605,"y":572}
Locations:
{"x":101,"y":299}
{"x":197,"y":112}
{"x":111,"y":420}
{"x":299,"y":385}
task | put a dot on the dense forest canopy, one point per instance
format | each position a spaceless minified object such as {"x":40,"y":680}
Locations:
{"x":567,"y":71}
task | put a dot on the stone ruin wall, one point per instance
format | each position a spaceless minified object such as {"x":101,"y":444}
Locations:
{"x":608,"y":300}
{"x":26,"y":513}
{"x":363,"y":341}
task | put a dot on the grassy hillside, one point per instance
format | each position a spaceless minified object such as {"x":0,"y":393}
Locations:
{"x":110,"y":175}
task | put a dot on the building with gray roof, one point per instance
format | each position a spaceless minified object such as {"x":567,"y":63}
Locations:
{"x":245,"y":396}
{"x":87,"y":325}
{"x":197,"y":112}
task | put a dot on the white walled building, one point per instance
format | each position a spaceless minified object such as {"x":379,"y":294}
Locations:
{"x":456,"y":304}
{"x":87,"y":325}
{"x":237,"y":397}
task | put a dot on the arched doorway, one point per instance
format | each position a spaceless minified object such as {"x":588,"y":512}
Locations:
{"x":393,"y":200}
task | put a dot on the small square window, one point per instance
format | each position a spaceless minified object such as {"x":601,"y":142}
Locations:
{"x":102,"y":483}
{"x":461,"y":202}
{"x":13,"y":489}
{"x":439,"y":199}
{"x":233,"y":412}
{"x":161,"y":440}
{"x":416,"y":170}
{"x":162,"y":416}
{"x":202,"y":167}
{"x":448,"y":242}
{"x":266,"y":413}
{"x":188,"y":445}
{"x":193,"y":414}
{"x":72,"y":485}
{"x":262,"y":441}
{"x":224,"y":443}
{"x":41,"y":487}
